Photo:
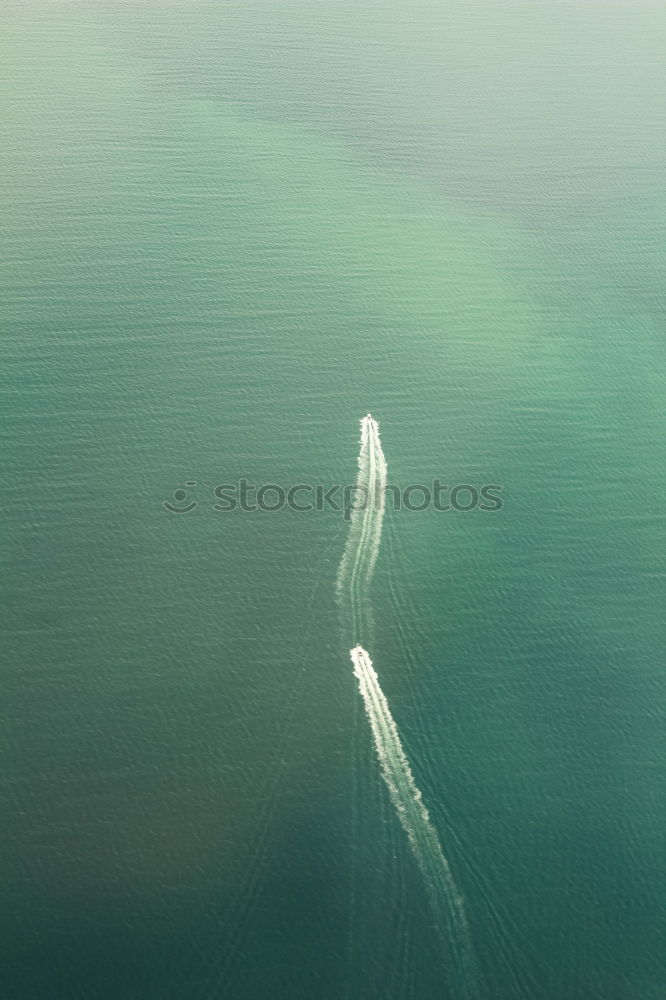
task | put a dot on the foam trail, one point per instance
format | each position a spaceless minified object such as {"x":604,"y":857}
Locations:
{"x":365,"y":530}
{"x":413,"y":815}
{"x":354,"y":576}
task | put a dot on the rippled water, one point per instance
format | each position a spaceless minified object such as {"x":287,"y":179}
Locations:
{"x":230,"y":230}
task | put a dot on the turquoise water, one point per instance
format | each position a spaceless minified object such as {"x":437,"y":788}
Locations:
{"x":229,"y":231}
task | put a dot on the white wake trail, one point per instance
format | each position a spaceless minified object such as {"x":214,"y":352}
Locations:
{"x":365,"y":529}
{"x":413,"y":815}
{"x":354,"y":576}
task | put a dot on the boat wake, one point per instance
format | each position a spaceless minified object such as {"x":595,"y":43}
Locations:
{"x":354,"y":575}
{"x":365,"y":529}
{"x":406,"y":798}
